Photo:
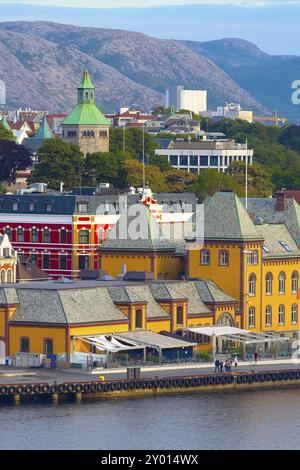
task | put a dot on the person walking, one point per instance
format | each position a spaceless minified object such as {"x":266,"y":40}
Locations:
{"x":221,"y":366}
{"x":217,"y":365}
{"x":255,"y":357}
{"x":235,"y":361}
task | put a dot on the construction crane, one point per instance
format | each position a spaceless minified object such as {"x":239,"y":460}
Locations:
{"x":276,"y":119}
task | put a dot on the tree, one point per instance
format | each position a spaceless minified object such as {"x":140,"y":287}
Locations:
{"x":179,"y":181}
{"x":210,"y":181}
{"x":105,"y":167}
{"x":259,"y":179}
{"x":134,"y":176}
{"x":161,"y":161}
{"x":58,"y":162}
{"x":290,"y":137}
{"x":13,"y":157}
{"x":5,"y":134}
{"x":133,"y":142}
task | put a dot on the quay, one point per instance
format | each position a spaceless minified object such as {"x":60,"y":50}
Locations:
{"x":76,"y":390}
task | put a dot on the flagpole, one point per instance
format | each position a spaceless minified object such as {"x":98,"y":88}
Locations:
{"x":144,"y":176}
{"x":246,"y":176}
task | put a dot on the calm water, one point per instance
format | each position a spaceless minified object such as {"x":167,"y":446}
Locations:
{"x":245,"y":420}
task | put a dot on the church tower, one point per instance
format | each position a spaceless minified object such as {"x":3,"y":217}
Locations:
{"x":86,"y":126}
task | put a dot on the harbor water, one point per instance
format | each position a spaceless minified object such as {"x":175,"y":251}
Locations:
{"x":268,"y":419}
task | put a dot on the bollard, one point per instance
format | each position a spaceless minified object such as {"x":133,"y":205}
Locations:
{"x":55,"y":397}
{"x":17,"y":398}
{"x":101,"y":378}
{"x":78,"y":397}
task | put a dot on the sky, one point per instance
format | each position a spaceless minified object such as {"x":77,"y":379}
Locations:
{"x":271,"y":25}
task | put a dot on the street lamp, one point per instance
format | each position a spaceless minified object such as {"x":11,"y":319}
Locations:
{"x":246,"y":295}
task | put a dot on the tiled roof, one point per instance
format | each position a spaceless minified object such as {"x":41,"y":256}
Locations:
{"x":189,"y":291}
{"x":273,"y":234}
{"x":227,"y":219}
{"x":211,"y":293}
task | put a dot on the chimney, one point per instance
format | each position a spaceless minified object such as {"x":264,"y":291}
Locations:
{"x":281,"y":200}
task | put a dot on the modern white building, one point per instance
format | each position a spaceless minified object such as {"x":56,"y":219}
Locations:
{"x":203,"y":154}
{"x":231,"y":111}
{"x":192,"y":100}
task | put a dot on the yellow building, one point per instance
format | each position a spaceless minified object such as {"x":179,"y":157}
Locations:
{"x":55,"y":317}
{"x":253,"y":256}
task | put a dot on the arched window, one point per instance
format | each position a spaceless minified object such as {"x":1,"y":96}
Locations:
{"x":295,"y":279}
{"x":281,"y":315}
{"x":251,"y":317}
{"x":294,"y":313}
{"x":281,"y":280}
{"x":3,"y":277}
{"x":268,"y":318}
{"x":86,"y":95}
{"x":269,"y":283}
{"x":252,"y":284}
{"x":9,"y":276}
{"x":179,"y":316}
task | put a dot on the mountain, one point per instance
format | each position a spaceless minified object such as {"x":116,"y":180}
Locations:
{"x":268,"y":78}
{"x":42,"y":62}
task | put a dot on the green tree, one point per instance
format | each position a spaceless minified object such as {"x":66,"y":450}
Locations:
{"x":210,"y":181}
{"x":106,"y":167}
{"x":161,"y":161}
{"x":5,"y":134}
{"x":58,"y":162}
{"x":13,"y":157}
{"x":133,"y":139}
{"x":179,"y":181}
{"x":133,"y":171}
{"x":259,"y":179}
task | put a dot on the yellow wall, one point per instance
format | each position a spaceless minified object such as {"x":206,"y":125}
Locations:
{"x":168,"y":267}
{"x":113,"y":264}
{"x":37,"y":336}
{"x":158,"y":325}
{"x":94,"y":330}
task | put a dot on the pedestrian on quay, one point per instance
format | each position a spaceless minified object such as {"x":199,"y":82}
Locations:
{"x":221,"y":366}
{"x":255,"y":357}
{"x":235,"y":361}
{"x":217,"y":365}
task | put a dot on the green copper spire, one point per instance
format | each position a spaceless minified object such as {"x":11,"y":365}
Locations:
{"x":86,"y":111}
{"x":86,"y":89}
{"x":5,"y":123}
{"x":44,"y":131}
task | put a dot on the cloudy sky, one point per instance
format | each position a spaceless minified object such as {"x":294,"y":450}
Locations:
{"x":271,"y":24}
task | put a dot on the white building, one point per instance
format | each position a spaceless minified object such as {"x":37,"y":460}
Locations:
{"x":203,"y":154}
{"x":231,"y":111}
{"x":192,"y":100}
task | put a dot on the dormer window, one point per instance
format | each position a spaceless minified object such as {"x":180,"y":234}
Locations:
{"x":48,"y":207}
{"x":82,"y":207}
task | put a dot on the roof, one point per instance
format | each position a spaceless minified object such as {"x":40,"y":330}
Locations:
{"x":86,"y":81}
{"x":139,"y":232}
{"x":188,"y":290}
{"x":148,"y":338}
{"x":85,"y":114}
{"x":276,"y":236}
{"x":225,"y":218}
{"x":211,"y":293}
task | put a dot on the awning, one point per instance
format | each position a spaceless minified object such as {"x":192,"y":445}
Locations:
{"x":231,"y":333}
{"x":108,"y":343}
{"x":153,"y":340}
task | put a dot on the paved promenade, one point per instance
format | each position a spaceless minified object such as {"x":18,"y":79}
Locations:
{"x":12,"y":375}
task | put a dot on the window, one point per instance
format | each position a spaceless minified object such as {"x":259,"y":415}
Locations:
{"x":295,"y":278}
{"x":266,"y":250}
{"x":269,"y":283}
{"x":281,"y":280}
{"x":139,"y":319}
{"x":174,"y":160}
{"x":183,"y":160}
{"x":24,"y":345}
{"x":33,"y":258}
{"x":179,"y":316}
{"x":205,"y":257}
{"x":83,"y":262}
{"x":82,"y":207}
{"x":48,"y":207}
{"x":9,"y":276}
{"x":251,"y":317}
{"x":8,"y":232}
{"x":63,"y":235}
{"x":203,"y":160}
{"x":34,"y":235}
{"x":268,"y":318}
{"x":286,"y":246}
{"x":20,"y":234}
{"x":63,"y":261}
{"x":6,"y":253}
{"x":252,"y":257}
{"x":46,"y":260}
{"x":294,"y":314}
{"x":48,"y":346}
{"x":3,"y":277}
{"x":46,"y":235}
{"x":194,"y":160}
{"x":214,"y":160}
{"x":281,"y":315}
{"x":252,"y":284}
{"x":224,"y":258}
{"x":84,"y":237}
{"x":15,"y":206}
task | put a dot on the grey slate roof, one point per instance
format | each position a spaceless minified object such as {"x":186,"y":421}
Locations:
{"x":227,"y":219}
{"x":273,"y":234}
{"x":211,"y":293}
{"x":124,"y":295}
{"x":153,"y":308}
{"x":138,"y":232}
{"x":188,"y":289}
